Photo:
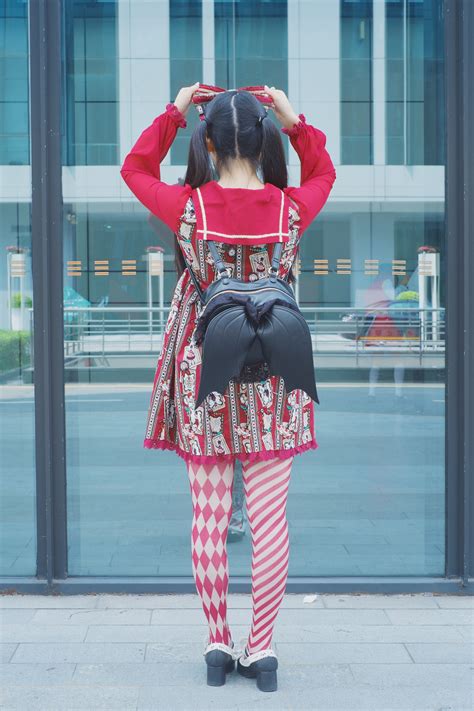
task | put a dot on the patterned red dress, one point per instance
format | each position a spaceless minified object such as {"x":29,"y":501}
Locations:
{"x":250,"y":420}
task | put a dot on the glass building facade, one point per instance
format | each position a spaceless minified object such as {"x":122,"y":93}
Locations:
{"x":88,"y":274}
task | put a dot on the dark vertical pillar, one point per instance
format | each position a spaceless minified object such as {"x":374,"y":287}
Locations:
{"x":47,"y":264}
{"x":459,"y":57}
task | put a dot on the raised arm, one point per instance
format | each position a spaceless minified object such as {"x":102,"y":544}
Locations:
{"x":141,"y":168}
{"x":317,"y":170}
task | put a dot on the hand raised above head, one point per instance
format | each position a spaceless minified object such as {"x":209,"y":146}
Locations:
{"x":184,"y":96}
{"x":282,"y":107}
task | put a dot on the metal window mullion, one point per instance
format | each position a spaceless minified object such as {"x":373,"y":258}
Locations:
{"x":47,"y":257}
{"x":459,"y":98}
{"x":468,"y":290}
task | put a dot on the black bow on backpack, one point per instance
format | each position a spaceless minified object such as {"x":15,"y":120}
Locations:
{"x":251,"y":330}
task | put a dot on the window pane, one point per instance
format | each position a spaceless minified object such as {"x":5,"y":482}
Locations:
{"x":185,"y":64}
{"x":370,"y":499}
{"x":414,"y":82}
{"x":17,"y":404}
{"x":91,"y":83}
{"x":356,"y":82}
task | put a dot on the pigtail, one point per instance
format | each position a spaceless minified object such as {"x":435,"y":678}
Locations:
{"x":272,"y":156}
{"x":198,"y":172}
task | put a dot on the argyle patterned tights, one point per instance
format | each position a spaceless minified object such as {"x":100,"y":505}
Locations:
{"x":266,"y":490}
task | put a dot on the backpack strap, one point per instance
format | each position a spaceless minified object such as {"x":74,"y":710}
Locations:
{"x":276,"y":257}
{"x":195,"y":280}
{"x":218,"y":261}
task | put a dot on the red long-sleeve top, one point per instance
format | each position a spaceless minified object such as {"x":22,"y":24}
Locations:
{"x":231,"y":213}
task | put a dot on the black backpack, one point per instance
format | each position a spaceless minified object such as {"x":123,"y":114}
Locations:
{"x":252,"y":330}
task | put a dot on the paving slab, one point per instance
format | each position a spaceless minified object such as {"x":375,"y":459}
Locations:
{"x":144,"y":652}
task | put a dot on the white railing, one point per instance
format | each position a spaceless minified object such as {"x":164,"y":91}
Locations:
{"x":341,"y":335}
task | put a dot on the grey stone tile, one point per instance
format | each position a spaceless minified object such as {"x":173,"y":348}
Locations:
{"x":16,"y":617}
{"x":160,"y":634}
{"x":192,"y":673}
{"x":285,"y":617}
{"x":35,"y":674}
{"x":241,"y":694}
{"x":342,"y":653}
{"x":48,"y":601}
{"x":235,"y":601}
{"x":177,"y":652}
{"x":387,"y":675}
{"x":296,"y":602}
{"x":423,"y":601}
{"x":455,"y":601}
{"x":235,"y":695}
{"x":6,"y":651}
{"x":442,"y":653}
{"x":466,"y":632}
{"x":70,"y":652}
{"x":92,"y":617}
{"x":150,"y":602}
{"x":185,"y":673}
{"x":357,"y":652}
{"x":430,"y":617}
{"x":304,"y":633}
{"x":43,"y":633}
{"x":39,"y":698}
{"x":310,"y":676}
{"x":158,"y":699}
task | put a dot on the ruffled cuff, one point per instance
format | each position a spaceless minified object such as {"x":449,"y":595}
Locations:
{"x":176,"y":114}
{"x":295,"y":130}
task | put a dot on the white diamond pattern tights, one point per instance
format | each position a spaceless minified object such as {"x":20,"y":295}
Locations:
{"x":266,"y":491}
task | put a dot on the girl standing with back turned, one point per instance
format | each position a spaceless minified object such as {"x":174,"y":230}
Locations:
{"x":258,"y":422}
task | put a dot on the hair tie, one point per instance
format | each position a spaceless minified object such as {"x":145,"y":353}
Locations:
{"x":202,"y":115}
{"x":261,"y":117}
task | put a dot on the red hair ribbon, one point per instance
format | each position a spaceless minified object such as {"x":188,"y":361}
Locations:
{"x":207,"y":92}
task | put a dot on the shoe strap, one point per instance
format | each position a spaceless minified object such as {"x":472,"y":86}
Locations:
{"x":223,"y":648}
{"x":247,"y":660}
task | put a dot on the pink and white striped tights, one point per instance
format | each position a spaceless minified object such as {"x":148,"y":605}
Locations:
{"x":266,"y":491}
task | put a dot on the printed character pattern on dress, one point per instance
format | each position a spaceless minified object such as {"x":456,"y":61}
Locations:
{"x":255,"y":418}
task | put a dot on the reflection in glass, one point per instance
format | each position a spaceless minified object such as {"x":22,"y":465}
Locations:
{"x":370,"y":500}
{"x":356,"y":82}
{"x":17,"y":411}
{"x":414,"y":80}
{"x":185,"y":67}
{"x":91,"y":83}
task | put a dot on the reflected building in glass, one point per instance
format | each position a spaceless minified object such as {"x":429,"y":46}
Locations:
{"x":370,"y":501}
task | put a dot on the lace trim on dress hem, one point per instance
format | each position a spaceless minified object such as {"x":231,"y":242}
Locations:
{"x":242,"y":456}
{"x":176,"y":114}
{"x":295,"y":130}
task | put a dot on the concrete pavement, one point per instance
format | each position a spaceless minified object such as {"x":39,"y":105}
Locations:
{"x":344,"y":652}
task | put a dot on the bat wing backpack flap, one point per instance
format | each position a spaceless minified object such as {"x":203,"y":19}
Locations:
{"x":251,"y":330}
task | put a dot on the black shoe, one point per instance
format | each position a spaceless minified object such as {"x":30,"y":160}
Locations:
{"x":220,"y":660}
{"x":262,"y":666}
